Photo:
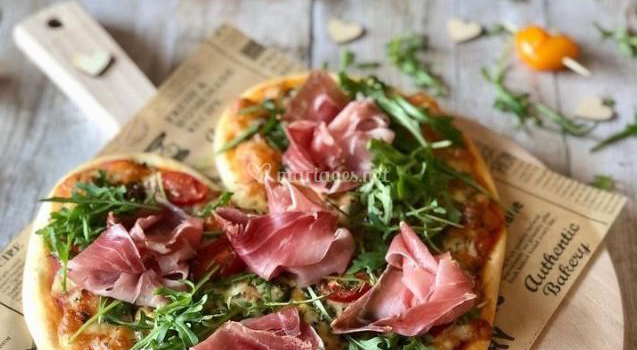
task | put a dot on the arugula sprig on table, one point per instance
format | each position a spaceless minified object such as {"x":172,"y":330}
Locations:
{"x":75,"y":226}
{"x":603,"y":182}
{"x":520,"y":105}
{"x":507,"y":100}
{"x":625,"y":40}
{"x":271,"y":127}
{"x":630,"y":130}
{"x":403,"y":52}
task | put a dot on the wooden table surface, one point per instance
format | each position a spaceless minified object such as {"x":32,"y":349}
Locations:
{"x":43,"y":135}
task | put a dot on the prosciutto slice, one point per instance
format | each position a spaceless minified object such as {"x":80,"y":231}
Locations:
{"x":283,"y":330}
{"x":330,"y":157}
{"x":298,"y":236}
{"x":130,"y":264}
{"x":416,"y":292}
{"x":319,"y":99}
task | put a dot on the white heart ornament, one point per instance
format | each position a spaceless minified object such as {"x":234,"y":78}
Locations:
{"x":93,"y":64}
{"x":594,"y":108}
{"x":342,"y":32}
{"x":461,"y":31}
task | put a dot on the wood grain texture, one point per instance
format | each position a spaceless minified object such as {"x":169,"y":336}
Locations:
{"x":42,"y":135}
{"x":57,"y":35}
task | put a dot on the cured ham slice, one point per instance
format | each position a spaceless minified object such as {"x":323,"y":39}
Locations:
{"x":283,"y":330}
{"x":330,"y":157}
{"x":416,"y":292}
{"x":319,"y":99}
{"x":298,"y":236}
{"x":130,"y":264}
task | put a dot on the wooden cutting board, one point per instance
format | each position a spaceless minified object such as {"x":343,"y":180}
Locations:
{"x":591,"y":316}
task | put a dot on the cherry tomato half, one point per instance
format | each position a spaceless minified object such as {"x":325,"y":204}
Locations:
{"x":183,"y":189}
{"x":345,"y":292}
{"x":220,"y":253}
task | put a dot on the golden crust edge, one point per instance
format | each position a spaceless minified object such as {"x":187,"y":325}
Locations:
{"x":241,"y":195}
{"x":492,"y":270}
{"x":36,"y":289}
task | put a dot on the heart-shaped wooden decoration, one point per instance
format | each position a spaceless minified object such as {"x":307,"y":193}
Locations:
{"x":93,"y":64}
{"x":461,"y":31}
{"x":342,"y":32}
{"x":595,"y":108}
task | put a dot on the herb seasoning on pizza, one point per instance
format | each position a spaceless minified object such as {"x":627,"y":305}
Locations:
{"x":357,"y":218}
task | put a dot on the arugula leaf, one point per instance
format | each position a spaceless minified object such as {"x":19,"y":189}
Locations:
{"x":403,"y":53}
{"x":221,"y":201}
{"x":369,"y":261}
{"x":603,"y":182}
{"x":103,"y":310}
{"x":630,"y":130}
{"x":416,"y":344}
{"x":506,"y":100}
{"x":79,"y":225}
{"x":174,"y":322}
{"x":402,"y":111}
{"x":567,"y":125}
{"x":523,"y":109}
{"x":375,"y":343}
{"x":626,"y":41}
{"x":244,"y":135}
{"x":347,"y":60}
{"x":406,"y":186}
{"x":271,"y":128}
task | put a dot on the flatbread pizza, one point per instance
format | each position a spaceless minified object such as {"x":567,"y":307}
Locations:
{"x":101,"y":196}
{"x":355,"y":217}
{"x":339,"y":128}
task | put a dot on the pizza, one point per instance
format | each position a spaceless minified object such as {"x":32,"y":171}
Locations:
{"x":411,"y":190}
{"x":68,"y":274}
{"x":353,"y":217}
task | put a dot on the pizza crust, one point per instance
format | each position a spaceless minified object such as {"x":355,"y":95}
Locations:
{"x":250,"y":194}
{"x":40,"y":312}
{"x":237,"y":176}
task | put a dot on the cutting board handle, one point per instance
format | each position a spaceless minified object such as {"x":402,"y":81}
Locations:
{"x":55,"y":36}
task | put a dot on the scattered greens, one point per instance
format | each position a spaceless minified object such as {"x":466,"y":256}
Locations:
{"x":519,"y":104}
{"x":404,"y":52}
{"x":626,"y":41}
{"x":271,"y":128}
{"x":74,"y":227}
{"x":603,"y":182}
{"x":506,"y":100}
{"x":567,"y":125}
{"x":630,"y":130}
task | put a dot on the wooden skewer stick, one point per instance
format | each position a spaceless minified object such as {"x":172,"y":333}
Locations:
{"x":576,"y":67}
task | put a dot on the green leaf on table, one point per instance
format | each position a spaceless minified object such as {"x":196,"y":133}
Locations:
{"x":404,"y":53}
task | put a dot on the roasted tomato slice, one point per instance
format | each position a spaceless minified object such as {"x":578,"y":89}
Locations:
{"x":346,"y":292}
{"x":220,"y":253}
{"x":183,"y":189}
